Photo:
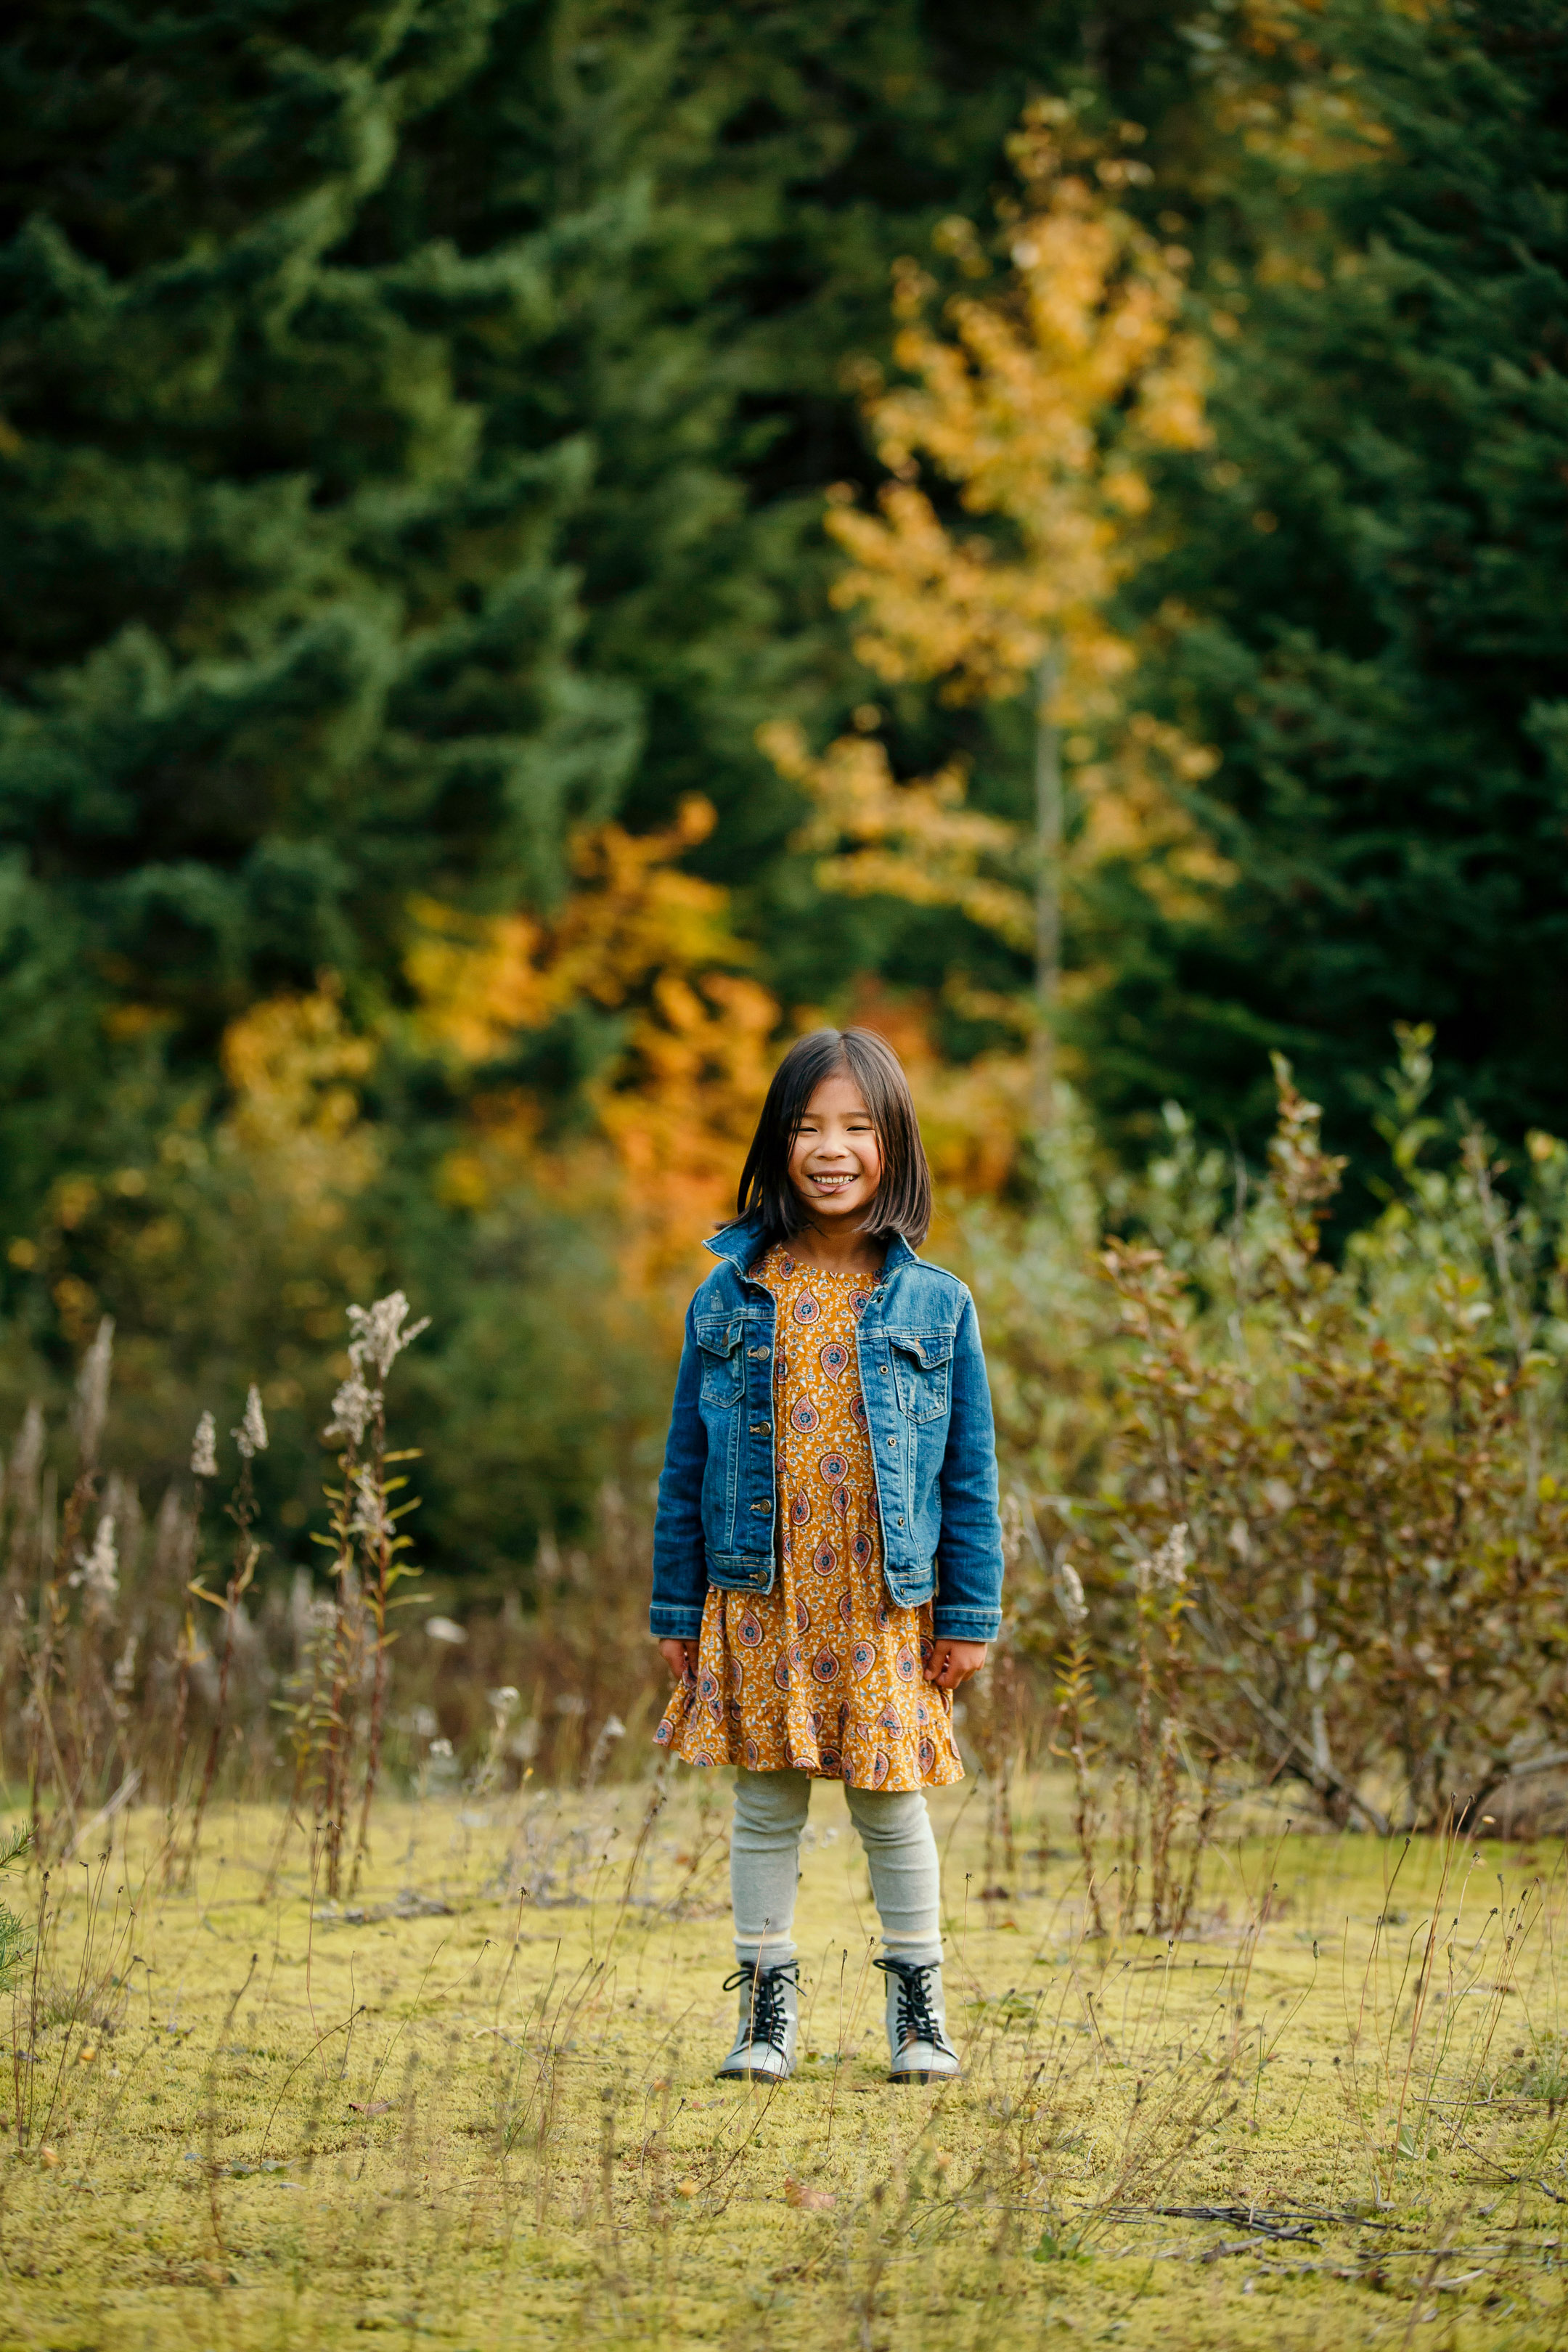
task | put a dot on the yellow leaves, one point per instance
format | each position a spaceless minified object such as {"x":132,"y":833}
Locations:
{"x":1039,"y":402}
{"x":294,"y":1065}
{"x":912,"y":841}
{"x":917,"y":841}
{"x":1134,"y":812}
{"x":480,"y":980}
{"x":939,"y":607}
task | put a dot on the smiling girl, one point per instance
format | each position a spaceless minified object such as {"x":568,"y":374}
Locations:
{"x":828,"y":1557}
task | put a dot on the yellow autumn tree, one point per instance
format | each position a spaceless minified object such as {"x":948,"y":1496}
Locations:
{"x":1038,"y":402}
{"x":295,"y":1068}
{"x":636,"y":936}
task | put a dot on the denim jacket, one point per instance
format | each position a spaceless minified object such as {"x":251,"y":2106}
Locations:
{"x":928,"y":1415}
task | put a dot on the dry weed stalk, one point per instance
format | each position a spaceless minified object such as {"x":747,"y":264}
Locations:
{"x":1075,"y":1701}
{"x":369,"y":1560}
{"x":251,"y":1439}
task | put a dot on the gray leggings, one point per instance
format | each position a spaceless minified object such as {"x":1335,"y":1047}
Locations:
{"x":764,"y":1864}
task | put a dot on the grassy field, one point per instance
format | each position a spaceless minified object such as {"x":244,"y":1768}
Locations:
{"x":475,"y":2107}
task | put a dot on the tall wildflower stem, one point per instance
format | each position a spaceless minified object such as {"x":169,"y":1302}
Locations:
{"x":377,"y":1539}
{"x":185,"y":1652}
{"x":383,"y":1569}
{"x":1144,"y":1764}
{"x":89,"y":1415}
{"x":365,"y":1531}
{"x":1075,"y":1700}
{"x":251,"y":1439}
{"x":1163,"y":1600}
{"x":333,"y":1805}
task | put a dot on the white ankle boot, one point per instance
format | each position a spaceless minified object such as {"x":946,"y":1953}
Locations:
{"x":769,"y":2030}
{"x":918,"y":2048}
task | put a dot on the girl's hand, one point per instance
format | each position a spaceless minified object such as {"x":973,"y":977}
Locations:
{"x":951,"y":1662}
{"x":680,"y":1657}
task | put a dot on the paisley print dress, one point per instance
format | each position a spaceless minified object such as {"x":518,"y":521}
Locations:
{"x":824,"y":1673}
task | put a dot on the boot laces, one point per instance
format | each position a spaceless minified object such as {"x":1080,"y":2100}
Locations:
{"x":767,"y":2017}
{"x":915,"y":2020}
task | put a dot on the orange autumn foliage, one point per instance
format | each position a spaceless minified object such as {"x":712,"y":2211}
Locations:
{"x":631,"y":913}
{"x":674,"y":1113}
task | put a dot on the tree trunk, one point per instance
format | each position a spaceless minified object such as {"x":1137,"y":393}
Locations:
{"x":1047,"y":882}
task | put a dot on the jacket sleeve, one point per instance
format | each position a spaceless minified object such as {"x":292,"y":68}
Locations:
{"x":968,"y":1605}
{"x":680,"y":1557}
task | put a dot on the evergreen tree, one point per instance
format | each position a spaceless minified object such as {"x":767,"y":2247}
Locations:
{"x":1362,"y":603}
{"x":287,"y":632}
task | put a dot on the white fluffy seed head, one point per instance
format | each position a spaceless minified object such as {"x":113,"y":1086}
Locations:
{"x":1170,"y":1564}
{"x":92,"y":1391}
{"x":379,"y":1336}
{"x":251,"y":1435}
{"x":204,"y":1448}
{"x":353,"y":1408}
{"x":99,"y":1570}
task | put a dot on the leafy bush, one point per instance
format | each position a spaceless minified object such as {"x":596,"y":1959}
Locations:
{"x":1353,"y":1470}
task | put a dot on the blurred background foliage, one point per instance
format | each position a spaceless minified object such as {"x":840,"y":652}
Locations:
{"x":532,"y":528}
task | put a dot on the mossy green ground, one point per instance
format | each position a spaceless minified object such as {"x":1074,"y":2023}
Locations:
{"x":475,"y":2107}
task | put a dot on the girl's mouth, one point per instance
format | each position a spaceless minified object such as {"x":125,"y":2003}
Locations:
{"x":833,"y":1184}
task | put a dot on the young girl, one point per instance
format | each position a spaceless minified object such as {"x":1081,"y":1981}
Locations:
{"x":827,"y":1556}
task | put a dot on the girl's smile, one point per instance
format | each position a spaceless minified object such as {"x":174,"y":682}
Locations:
{"x":835,"y":1159}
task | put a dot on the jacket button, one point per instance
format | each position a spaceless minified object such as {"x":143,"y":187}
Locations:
{"x":761,"y":1355}
{"x":893,"y":1440}
{"x":762,"y":1507}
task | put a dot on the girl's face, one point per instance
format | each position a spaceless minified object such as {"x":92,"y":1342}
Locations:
{"x":835,"y":1161}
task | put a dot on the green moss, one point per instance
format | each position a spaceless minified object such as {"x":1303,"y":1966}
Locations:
{"x":497,"y":2125}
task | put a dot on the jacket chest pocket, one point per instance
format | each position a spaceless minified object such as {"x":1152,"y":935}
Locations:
{"x":922,"y":1370}
{"x":723,"y":1360}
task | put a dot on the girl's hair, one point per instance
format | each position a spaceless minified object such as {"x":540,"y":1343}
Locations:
{"x":902,"y":1204}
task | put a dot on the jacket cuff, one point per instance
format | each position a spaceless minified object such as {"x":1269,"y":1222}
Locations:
{"x":667,"y":1622}
{"x":966,"y":1625}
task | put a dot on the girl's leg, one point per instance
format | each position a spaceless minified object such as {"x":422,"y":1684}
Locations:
{"x":895,"y":1829}
{"x":901,"y":1850}
{"x":765,"y":1861}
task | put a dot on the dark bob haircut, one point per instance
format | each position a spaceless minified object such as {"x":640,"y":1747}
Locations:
{"x":903,"y":1204}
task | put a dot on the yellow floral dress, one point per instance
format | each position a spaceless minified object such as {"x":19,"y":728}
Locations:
{"x":824,"y":1673}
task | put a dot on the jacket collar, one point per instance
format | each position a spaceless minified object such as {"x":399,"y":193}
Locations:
{"x":738,"y":1242}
